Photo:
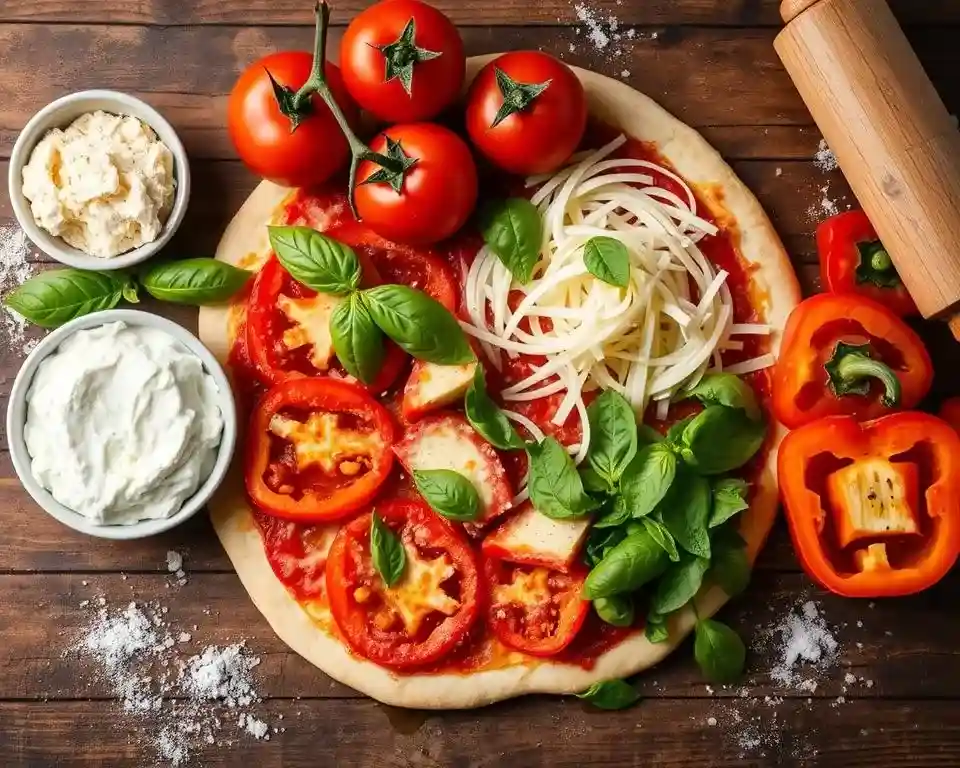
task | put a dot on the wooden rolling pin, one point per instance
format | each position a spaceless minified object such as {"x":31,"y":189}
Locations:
{"x":893,"y":137}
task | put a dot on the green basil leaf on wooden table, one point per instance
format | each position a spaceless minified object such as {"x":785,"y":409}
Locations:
{"x":611,"y":694}
{"x":57,"y":296}
{"x":721,"y":439}
{"x":195,"y":282}
{"x":486,"y":418}
{"x":719,"y":651}
{"x":419,"y":324}
{"x":387,"y":552}
{"x":635,"y":561}
{"x":448,"y":493}
{"x":317,"y":261}
{"x":729,"y":499}
{"x":685,"y":511}
{"x":607,"y":259}
{"x":556,"y":489}
{"x":357,"y":341}
{"x":613,"y":435}
{"x":679,"y":584}
{"x":648,"y":478}
{"x":725,"y":389}
{"x":513,"y":230}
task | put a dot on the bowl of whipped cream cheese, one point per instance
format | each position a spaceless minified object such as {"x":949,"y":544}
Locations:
{"x":121,"y":424}
{"x":99,"y":180}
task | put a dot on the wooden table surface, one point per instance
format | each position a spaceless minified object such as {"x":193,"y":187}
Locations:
{"x":891,"y":697}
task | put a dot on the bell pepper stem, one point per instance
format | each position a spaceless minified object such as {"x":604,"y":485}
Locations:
{"x":855,"y":367}
{"x":880,"y":260}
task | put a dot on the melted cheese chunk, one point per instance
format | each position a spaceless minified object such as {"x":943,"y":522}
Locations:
{"x":419,"y":593}
{"x":527,"y":588}
{"x":323,"y":442}
{"x":532,"y":537}
{"x":311,"y":325}
{"x":433,"y":386}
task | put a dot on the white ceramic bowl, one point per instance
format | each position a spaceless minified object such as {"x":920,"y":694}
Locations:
{"x":17,"y":415}
{"x":59,"y":114}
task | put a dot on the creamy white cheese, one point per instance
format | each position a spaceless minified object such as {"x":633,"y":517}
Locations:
{"x":104,"y":184}
{"x":122,"y":424}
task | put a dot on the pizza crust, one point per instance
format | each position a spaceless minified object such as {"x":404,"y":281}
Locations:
{"x":641,"y":118}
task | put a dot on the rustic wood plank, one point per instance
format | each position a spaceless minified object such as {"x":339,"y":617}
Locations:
{"x":921,"y":658}
{"x":540,"y":733}
{"x":546,"y":12}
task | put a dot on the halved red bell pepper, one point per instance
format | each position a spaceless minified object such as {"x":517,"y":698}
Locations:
{"x":950,"y":412}
{"x":846,"y":354}
{"x":853,"y":260}
{"x":873,"y":507}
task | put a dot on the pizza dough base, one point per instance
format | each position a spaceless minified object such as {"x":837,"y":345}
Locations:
{"x":700,"y":165}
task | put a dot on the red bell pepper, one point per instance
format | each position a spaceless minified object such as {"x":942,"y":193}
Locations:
{"x":846,"y":354}
{"x":950,"y":412}
{"x":853,"y":260}
{"x":874,"y":507}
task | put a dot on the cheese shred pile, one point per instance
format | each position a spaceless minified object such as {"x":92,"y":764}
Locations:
{"x":650,"y":341}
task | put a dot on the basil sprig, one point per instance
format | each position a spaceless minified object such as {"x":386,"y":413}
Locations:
{"x":611,"y":694}
{"x":607,"y":259}
{"x":486,"y":418}
{"x":316,"y":260}
{"x":613,"y":435}
{"x":386,"y":551}
{"x":357,"y":341}
{"x":556,"y":489}
{"x":193,"y":281}
{"x":448,"y":493}
{"x":513,"y":230}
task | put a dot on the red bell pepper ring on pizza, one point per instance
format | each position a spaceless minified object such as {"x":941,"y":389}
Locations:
{"x":428,"y":611}
{"x":853,"y":260}
{"x":873,"y":507}
{"x":535,"y":609}
{"x":845,"y":354}
{"x":317,"y":449}
{"x":447,"y":441}
{"x":531,"y":538}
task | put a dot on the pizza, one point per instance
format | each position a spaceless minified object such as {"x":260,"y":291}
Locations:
{"x":449,"y":534}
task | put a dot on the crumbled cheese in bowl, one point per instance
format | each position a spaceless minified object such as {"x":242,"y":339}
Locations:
{"x":104,"y":184}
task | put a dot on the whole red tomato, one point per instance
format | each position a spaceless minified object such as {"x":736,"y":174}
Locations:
{"x":428,"y":195}
{"x":402,"y":61}
{"x":274,"y":140}
{"x":526,"y":111}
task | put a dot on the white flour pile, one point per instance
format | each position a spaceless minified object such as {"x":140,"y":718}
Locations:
{"x":803,"y":642}
{"x":826,"y":207}
{"x":825,"y":160}
{"x":14,"y":271}
{"x":604,"y":36}
{"x":181,"y":700}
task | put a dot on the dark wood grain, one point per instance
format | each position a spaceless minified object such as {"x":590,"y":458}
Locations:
{"x":545,"y":12}
{"x":921,"y":658}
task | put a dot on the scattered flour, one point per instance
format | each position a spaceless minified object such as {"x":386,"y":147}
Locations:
{"x":605,"y":35}
{"x":826,"y":207}
{"x":221,"y":673}
{"x":801,"y":639}
{"x":14,"y":271}
{"x":825,"y":160}
{"x":174,"y":561}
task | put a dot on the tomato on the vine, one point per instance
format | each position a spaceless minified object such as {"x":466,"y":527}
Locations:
{"x":402,"y":61}
{"x":526,"y":112}
{"x":430,"y":191}
{"x":295,"y":143}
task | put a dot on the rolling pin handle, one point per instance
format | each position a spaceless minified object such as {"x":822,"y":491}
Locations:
{"x":790,"y":9}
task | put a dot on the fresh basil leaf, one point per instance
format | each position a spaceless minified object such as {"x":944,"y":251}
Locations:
{"x":594,"y":482}
{"x":679,"y":584}
{"x":513,"y":230}
{"x":448,"y":493}
{"x":613,"y":435}
{"x":357,"y":341}
{"x":607,"y":259}
{"x":729,"y":499}
{"x":611,"y":694}
{"x":635,"y":561}
{"x":617,"y":610}
{"x":685,"y":511}
{"x":729,"y":566}
{"x":599,"y":542}
{"x":131,"y":289}
{"x":721,"y":439}
{"x":647,"y":435}
{"x":317,"y":261}
{"x":719,"y":651}
{"x":57,"y":296}
{"x":555,"y":486}
{"x":648,"y":478}
{"x":617,"y":513}
{"x":656,"y":630}
{"x":387,"y":552}
{"x":662,"y":536}
{"x":419,"y":324}
{"x":675,"y":433}
{"x":486,"y":418}
{"x":193,"y":281}
{"x":725,"y":389}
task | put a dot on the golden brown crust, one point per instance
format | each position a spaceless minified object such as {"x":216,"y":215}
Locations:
{"x":773,"y":276}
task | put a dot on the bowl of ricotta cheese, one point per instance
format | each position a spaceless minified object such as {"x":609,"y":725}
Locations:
{"x":121,"y":424}
{"x":99,"y":180}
